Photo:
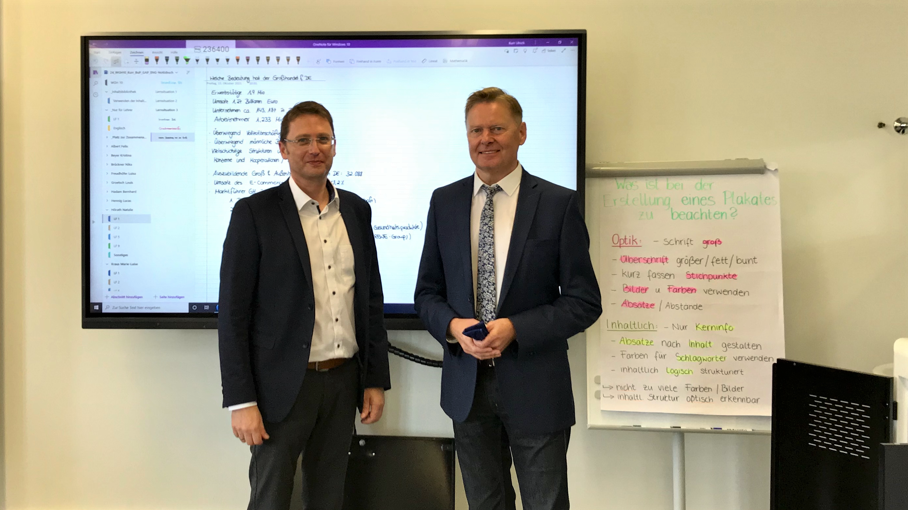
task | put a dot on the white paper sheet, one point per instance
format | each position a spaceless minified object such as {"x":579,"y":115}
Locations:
{"x":691,"y":275}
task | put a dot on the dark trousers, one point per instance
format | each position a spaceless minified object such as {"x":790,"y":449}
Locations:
{"x":486,"y":443}
{"x":319,"y":427}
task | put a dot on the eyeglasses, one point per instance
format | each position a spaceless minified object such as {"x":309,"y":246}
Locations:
{"x":322,"y":141}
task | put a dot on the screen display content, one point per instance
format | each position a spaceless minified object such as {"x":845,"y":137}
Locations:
{"x":177,"y":129}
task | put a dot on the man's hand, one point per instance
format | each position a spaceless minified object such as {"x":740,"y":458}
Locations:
{"x":501,"y":334}
{"x":373,"y":405}
{"x":248,"y":426}
{"x":477,"y":349}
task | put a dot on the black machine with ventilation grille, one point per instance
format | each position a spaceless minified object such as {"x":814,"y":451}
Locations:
{"x":827,"y":429}
{"x":395,"y":473}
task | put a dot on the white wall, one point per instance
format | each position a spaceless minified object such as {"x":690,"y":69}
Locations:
{"x":116,"y":419}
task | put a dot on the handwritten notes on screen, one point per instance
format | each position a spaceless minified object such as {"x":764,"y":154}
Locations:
{"x":691,"y":272}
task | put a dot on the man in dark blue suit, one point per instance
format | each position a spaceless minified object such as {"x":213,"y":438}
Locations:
{"x":510,"y":250}
{"x":300,"y":327}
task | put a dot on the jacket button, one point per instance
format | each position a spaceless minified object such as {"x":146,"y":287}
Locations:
{"x":305,"y":346}
{"x":310,"y":306}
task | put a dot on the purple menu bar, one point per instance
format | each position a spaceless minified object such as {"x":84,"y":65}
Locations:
{"x":340,"y":43}
{"x":136,"y":43}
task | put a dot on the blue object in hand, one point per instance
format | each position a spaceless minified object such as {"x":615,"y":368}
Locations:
{"x":477,"y":331}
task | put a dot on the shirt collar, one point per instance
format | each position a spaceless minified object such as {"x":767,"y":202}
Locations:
{"x":509,"y":183}
{"x":301,"y":199}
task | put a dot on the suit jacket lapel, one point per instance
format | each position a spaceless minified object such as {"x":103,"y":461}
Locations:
{"x":462,"y":210}
{"x":354,"y":232}
{"x":527,"y":200}
{"x":292,"y":217}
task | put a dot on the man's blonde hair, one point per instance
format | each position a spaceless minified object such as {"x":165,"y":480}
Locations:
{"x":490,"y":95}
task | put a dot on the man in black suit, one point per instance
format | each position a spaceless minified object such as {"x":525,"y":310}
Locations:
{"x":522,"y":240}
{"x":300,"y":327}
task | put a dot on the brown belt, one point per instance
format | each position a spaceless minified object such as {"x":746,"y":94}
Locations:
{"x":328,"y":364}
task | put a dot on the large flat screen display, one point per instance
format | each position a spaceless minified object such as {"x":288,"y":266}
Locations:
{"x":178,"y":127}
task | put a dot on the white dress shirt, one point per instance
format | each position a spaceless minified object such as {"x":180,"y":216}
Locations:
{"x":505,"y":202}
{"x":331,"y":261}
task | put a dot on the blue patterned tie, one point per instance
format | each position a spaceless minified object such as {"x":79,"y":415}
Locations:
{"x":486,"y":297}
